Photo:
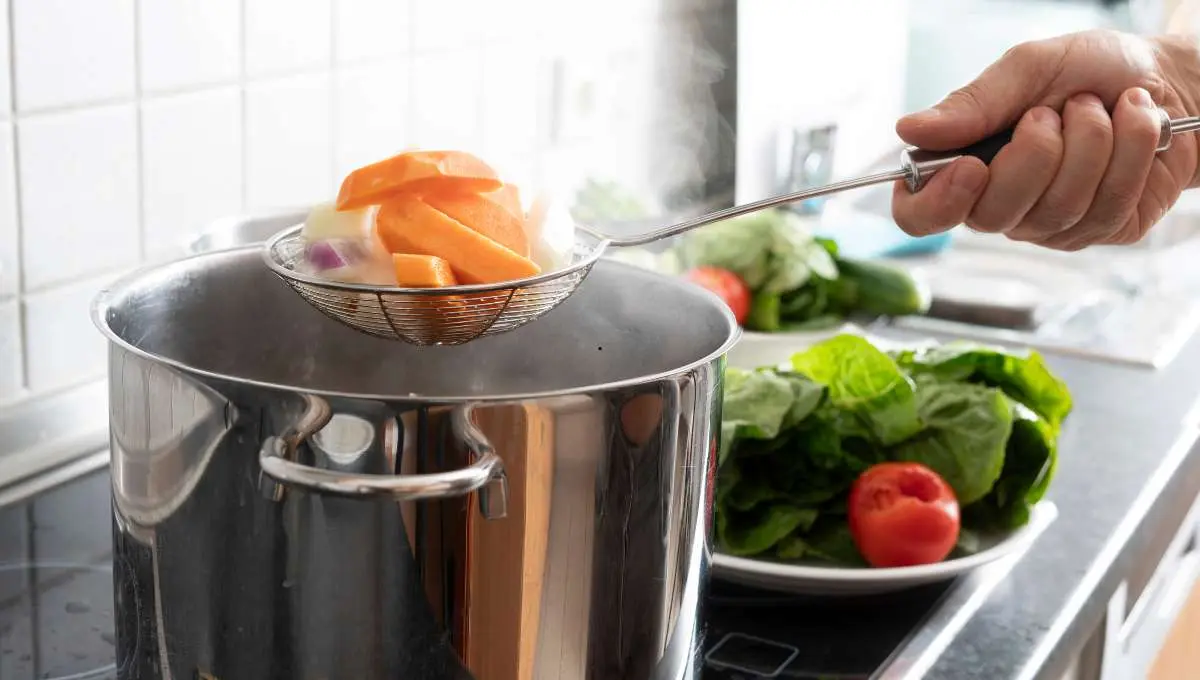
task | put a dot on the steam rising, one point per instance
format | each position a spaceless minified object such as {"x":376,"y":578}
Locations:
{"x":693,"y":141}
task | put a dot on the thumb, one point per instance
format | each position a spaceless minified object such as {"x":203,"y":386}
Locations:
{"x":992,"y":102}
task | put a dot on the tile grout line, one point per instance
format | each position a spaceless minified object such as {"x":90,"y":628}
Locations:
{"x":139,"y":136}
{"x":22,"y":342}
{"x":410,"y":58}
{"x":242,"y":104}
{"x":182,"y":91}
{"x":331,"y":93}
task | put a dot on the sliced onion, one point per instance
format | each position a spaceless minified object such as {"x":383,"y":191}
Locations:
{"x":326,"y":222}
{"x":323,"y":255}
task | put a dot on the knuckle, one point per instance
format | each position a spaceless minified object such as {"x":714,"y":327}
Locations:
{"x":980,"y":220}
{"x":1132,"y":231}
{"x":1027,"y":232}
{"x":1023,"y":54}
{"x":1045,"y":149}
{"x":1074,"y":246}
{"x":1053,"y":214}
{"x":968,"y":95}
{"x":1142,"y":130}
{"x":1116,"y":199}
{"x":1093,"y":129}
{"x":1067,"y":243}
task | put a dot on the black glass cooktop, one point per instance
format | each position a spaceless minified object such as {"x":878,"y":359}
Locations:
{"x":56,"y":587}
{"x":56,"y":618}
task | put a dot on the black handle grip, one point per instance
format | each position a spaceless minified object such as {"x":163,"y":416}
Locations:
{"x":985,"y":149}
{"x":919,"y":164}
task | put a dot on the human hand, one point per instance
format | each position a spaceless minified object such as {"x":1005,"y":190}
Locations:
{"x":1074,"y":174}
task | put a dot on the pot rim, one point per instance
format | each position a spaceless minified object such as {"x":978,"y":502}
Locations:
{"x":103,"y":302}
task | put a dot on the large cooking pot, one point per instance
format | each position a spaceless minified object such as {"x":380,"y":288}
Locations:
{"x":243,"y":230}
{"x":294,"y":500}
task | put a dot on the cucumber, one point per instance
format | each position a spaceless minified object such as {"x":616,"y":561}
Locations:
{"x":764,"y":313}
{"x":878,"y":289}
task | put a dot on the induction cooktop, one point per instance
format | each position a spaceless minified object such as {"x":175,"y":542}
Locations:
{"x":56,"y":605}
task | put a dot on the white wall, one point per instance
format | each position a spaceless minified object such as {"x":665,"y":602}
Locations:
{"x":952,"y":41}
{"x":126,"y":125}
{"x":801,"y":63}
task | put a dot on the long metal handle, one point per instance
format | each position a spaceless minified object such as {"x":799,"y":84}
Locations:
{"x":277,"y":455}
{"x":739,"y":210}
{"x":916,"y":167}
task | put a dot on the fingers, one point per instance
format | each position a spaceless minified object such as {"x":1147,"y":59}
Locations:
{"x":944,"y":202}
{"x":1111,"y":217}
{"x":992,"y":102}
{"x":1063,"y":183}
{"x":1020,"y":173}
{"x":1087,"y":147}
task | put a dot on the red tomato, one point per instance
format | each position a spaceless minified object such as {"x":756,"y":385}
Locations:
{"x":727,"y":285}
{"x":903,"y":514}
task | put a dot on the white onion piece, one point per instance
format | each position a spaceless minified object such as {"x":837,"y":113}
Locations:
{"x":325,"y":222}
{"x":350,"y":261}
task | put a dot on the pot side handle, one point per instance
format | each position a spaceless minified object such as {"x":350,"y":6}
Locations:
{"x":485,"y":474}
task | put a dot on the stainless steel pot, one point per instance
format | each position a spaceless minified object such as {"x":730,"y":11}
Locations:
{"x":295,"y":500}
{"x":243,"y":230}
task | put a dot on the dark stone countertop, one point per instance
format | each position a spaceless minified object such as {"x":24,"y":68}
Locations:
{"x":1129,"y":472}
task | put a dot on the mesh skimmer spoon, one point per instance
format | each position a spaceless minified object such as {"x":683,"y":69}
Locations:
{"x":458,"y":314}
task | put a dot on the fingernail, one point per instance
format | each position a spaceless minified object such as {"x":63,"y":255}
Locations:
{"x":1044,"y":117}
{"x":1087,"y":99}
{"x":1140,"y":97}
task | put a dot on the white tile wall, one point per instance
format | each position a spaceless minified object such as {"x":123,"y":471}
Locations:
{"x":127,"y":125}
{"x":364,"y":29}
{"x":79,"y":193}
{"x":5,"y":73}
{"x":286,"y":35}
{"x":289,"y":154}
{"x":370,"y":113}
{"x":446,"y":98}
{"x":11,"y":380}
{"x":61,"y":346}
{"x":192,"y":165}
{"x":70,"y":52}
{"x":9,"y":245}
{"x":447,"y":24}
{"x":183,"y":44}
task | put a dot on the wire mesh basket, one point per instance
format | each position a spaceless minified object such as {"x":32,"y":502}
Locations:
{"x":432,"y":316}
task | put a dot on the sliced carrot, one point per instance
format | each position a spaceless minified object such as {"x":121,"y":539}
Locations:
{"x":485,"y":214}
{"x":371,"y":184}
{"x":407,"y":224}
{"x":422,"y":271}
{"x":510,"y":198}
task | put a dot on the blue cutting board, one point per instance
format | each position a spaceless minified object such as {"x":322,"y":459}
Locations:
{"x":862,"y":235}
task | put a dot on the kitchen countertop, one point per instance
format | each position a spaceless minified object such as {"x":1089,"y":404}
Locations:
{"x":1129,"y":472}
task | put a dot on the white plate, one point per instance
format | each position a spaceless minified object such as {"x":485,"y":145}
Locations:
{"x":817,"y":578}
{"x":756,"y":349}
